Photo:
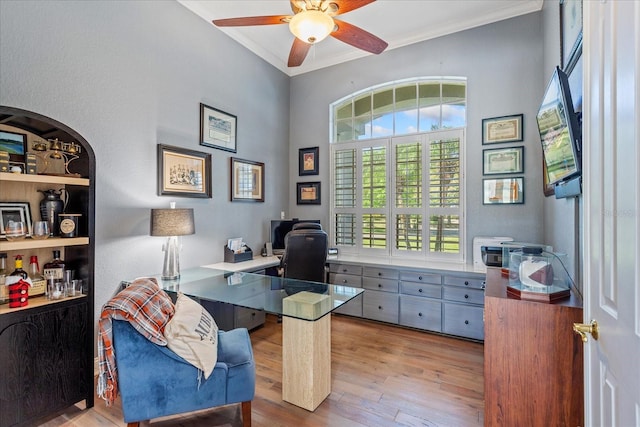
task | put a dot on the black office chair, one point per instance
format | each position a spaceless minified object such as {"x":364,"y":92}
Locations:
{"x":305,"y":253}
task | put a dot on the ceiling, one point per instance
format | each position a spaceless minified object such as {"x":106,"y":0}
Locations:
{"x":398,"y":22}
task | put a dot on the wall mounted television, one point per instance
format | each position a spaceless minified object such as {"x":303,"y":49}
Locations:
{"x":280,"y":228}
{"x":561,"y":136}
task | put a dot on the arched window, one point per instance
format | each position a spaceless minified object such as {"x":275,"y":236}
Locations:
{"x":397,"y":169}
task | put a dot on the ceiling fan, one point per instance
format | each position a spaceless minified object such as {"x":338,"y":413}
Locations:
{"x":312,"y":21}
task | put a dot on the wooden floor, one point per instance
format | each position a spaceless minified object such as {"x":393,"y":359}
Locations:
{"x":382,"y":375}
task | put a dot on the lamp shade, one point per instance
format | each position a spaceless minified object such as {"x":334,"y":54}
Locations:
{"x":172,"y":222}
{"x":311,"y":26}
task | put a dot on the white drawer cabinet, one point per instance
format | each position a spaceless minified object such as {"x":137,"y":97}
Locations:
{"x":463,"y":320}
{"x":421,"y":313}
{"x":466,"y":296}
{"x":382,"y":306}
{"x":383,"y":285}
{"x":421,"y":290}
{"x":347,"y":275}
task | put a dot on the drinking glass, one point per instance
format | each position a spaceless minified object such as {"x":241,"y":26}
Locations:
{"x":40,"y":230}
{"x":15,"y":230}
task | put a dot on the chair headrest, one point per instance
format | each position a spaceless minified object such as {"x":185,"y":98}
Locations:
{"x":307,"y":226}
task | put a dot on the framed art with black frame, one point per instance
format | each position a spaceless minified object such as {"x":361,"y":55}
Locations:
{"x":247,"y":181}
{"x":218,"y":129}
{"x":570,"y":33}
{"x":308,"y":161}
{"x":497,"y":130}
{"x":503,"y":191}
{"x":183,"y":172}
{"x":15,"y":144}
{"x":15,"y":211}
{"x":308,"y":193}
{"x":503,"y":161}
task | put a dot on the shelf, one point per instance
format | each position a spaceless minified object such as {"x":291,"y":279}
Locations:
{"x":46,"y":179}
{"x":51,"y":242}
{"x":35,"y":302}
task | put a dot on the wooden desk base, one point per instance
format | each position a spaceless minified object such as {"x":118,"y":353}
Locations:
{"x":306,"y":361}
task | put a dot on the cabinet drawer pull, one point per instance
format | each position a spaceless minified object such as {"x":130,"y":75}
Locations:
{"x":466,"y":322}
{"x":379,"y":285}
{"x":484,"y":284}
{"x":420,"y":290}
{"x":379,"y":273}
{"x":344,"y":270}
{"x":379,"y":307}
{"x":344,"y":281}
{"x":466,"y":296}
{"x":466,"y":283}
{"x":419,"y":277}
{"x":419,"y":314}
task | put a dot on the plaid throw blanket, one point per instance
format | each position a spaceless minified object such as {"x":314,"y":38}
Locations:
{"x":148,"y":309}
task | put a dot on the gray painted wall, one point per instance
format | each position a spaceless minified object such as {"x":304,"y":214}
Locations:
{"x":503,"y":65}
{"x":130,"y":75}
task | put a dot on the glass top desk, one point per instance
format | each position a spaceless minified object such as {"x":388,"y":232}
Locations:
{"x":306,"y":328}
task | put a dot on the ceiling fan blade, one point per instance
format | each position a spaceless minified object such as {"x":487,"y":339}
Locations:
{"x":298,"y":52}
{"x":252,"y":20}
{"x":357,"y":37}
{"x":345,"y":6}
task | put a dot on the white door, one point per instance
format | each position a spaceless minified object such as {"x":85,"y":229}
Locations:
{"x":611,"y":160}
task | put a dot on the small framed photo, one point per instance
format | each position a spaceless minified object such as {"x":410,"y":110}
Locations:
{"x":503,"y":191}
{"x":497,"y":130}
{"x":247,"y":181}
{"x":15,"y":144}
{"x":308,"y":193}
{"x":218,"y":129}
{"x":503,"y":161}
{"x":15,"y":211}
{"x":183,"y":173}
{"x":570,"y":33}
{"x":308,"y":161}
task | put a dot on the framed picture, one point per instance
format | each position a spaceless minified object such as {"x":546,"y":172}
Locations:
{"x":497,"y":130}
{"x":15,"y":144}
{"x":501,"y":191}
{"x":503,"y":161}
{"x":308,"y":193}
{"x":308,"y":159}
{"x":247,"y":181}
{"x":218,"y":129}
{"x":15,"y":211}
{"x":183,"y":173}
{"x":570,"y":33}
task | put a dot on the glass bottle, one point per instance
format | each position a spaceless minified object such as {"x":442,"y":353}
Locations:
{"x":19,"y":271}
{"x":4,"y":291}
{"x":55,"y":267}
{"x":39,"y":284}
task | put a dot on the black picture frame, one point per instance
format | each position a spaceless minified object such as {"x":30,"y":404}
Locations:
{"x":503,"y":161}
{"x":218,"y":129}
{"x":309,"y":161}
{"x":247,"y":181}
{"x":570,"y":33}
{"x":501,"y":191}
{"x":16,"y":211}
{"x":499,"y":130}
{"x":308,"y":193}
{"x":183,"y":172}
{"x":15,"y":144}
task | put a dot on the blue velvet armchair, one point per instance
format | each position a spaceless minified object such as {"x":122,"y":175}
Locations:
{"x":156,"y":382}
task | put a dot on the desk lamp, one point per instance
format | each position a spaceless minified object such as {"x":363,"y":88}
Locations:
{"x":172,"y":223}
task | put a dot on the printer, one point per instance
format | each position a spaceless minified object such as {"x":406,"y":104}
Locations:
{"x":487,"y":252}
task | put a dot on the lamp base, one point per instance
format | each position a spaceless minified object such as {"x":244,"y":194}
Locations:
{"x":171,"y":268}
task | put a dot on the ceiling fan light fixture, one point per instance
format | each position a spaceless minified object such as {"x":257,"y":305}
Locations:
{"x":311,"y":26}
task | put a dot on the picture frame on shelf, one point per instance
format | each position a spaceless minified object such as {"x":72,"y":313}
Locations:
{"x":15,"y":144}
{"x":247,"y":180}
{"x":500,"y":161}
{"x":15,"y":211}
{"x":308,"y":161}
{"x":498,"y":130}
{"x":183,"y":172}
{"x":570,"y":33}
{"x":503,"y":191}
{"x":218,"y":129}
{"x":308,"y":193}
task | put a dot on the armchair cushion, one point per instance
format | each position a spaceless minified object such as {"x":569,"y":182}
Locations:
{"x":193,"y":334}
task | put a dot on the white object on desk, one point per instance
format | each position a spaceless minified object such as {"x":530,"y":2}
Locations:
{"x":255,"y":264}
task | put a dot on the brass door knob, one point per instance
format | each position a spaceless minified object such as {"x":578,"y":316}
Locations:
{"x":583,"y":329}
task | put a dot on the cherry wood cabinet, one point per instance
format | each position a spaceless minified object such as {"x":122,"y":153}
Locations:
{"x":533,"y":361}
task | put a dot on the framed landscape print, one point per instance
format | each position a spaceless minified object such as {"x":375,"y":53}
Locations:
{"x":183,"y":173}
{"x":15,"y":144}
{"x":247,"y":181}
{"x":218,"y":129}
{"x":503,"y":161}
{"x":497,"y":130}
{"x":308,"y":161}
{"x":308,"y":193}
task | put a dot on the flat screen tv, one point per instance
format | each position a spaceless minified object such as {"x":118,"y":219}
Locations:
{"x":280,"y":228}
{"x":560,"y":131}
